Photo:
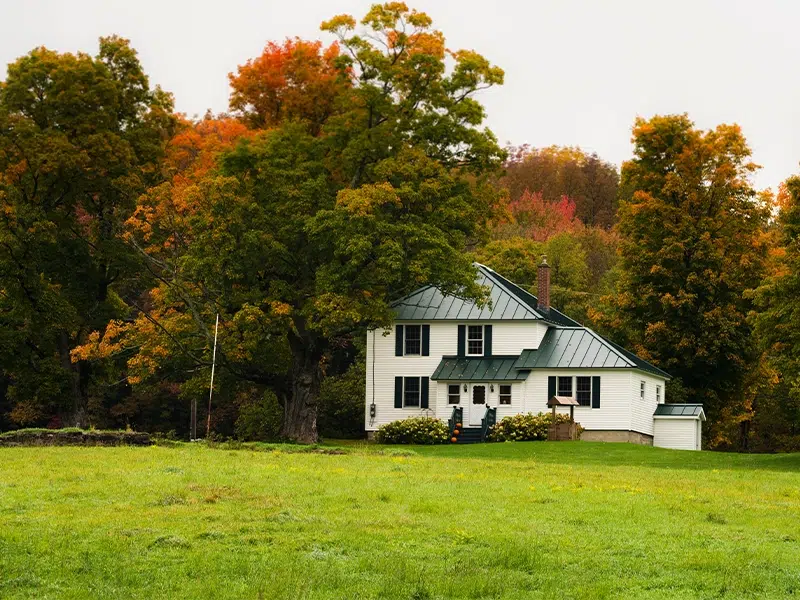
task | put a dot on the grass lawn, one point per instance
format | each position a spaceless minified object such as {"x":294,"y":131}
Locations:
{"x":524,"y":520}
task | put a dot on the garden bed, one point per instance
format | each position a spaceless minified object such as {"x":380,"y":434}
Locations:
{"x":73,"y":437}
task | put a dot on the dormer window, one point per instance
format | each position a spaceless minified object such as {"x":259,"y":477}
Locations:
{"x":475,"y":340}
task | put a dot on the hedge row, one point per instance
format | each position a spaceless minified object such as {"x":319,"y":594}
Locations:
{"x":73,"y":437}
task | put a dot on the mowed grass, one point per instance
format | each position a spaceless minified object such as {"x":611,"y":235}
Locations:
{"x":524,"y":520}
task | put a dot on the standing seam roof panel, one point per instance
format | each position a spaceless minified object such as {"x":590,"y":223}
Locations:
{"x":581,"y":351}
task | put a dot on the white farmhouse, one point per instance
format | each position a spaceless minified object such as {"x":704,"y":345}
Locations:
{"x":509,"y":357}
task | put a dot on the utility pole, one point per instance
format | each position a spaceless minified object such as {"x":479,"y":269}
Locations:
{"x":211,"y":386}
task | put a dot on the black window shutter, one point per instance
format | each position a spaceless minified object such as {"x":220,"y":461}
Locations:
{"x":426,"y":340}
{"x":424,"y":392}
{"x":487,"y":340}
{"x":398,"y":392}
{"x":462,"y":340}
{"x":398,"y":341}
{"x":595,"y":391}
{"x":551,"y":386}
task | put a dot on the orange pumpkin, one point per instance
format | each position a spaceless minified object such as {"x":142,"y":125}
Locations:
{"x":455,"y":431}
{"x":454,"y":440}
{"x":458,"y":425}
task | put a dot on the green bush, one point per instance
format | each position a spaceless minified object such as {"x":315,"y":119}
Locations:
{"x":259,"y":420}
{"x":524,"y":427}
{"x":341,"y":404}
{"x":416,"y":430}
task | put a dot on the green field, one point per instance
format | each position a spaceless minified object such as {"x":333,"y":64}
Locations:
{"x":524,"y":520}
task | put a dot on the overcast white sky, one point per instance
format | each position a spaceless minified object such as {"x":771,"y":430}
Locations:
{"x":577,"y":71}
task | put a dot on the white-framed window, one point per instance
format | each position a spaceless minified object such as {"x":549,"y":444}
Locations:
{"x":583,"y":390}
{"x":658,"y":394}
{"x":412,"y":344}
{"x":454,"y":393}
{"x":641,"y":389}
{"x":474,"y":340}
{"x":565,"y":387}
{"x":505,"y":393}
{"x":412,"y":391}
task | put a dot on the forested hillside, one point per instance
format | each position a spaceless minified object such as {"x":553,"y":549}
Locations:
{"x":342,"y":177}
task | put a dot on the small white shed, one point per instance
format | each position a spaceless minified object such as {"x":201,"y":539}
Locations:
{"x":678,"y":426}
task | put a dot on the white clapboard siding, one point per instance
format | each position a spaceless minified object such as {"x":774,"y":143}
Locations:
{"x":512,"y":337}
{"x":508,"y":338}
{"x":678,"y":433}
{"x":615,"y":397}
{"x":642,"y":410}
{"x":387,"y":366}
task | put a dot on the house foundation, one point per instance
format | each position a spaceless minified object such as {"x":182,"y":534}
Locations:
{"x":631,"y":437}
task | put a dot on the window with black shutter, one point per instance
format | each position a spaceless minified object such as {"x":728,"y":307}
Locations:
{"x":475,"y":340}
{"x":413,"y":341}
{"x":583,"y":390}
{"x":411,"y":392}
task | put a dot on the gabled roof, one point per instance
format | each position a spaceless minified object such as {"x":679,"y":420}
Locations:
{"x":581,"y":348}
{"x":680,"y":410}
{"x":495,"y":368}
{"x":508,"y":301}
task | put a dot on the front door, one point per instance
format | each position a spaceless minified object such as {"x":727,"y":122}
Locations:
{"x":477,"y":403}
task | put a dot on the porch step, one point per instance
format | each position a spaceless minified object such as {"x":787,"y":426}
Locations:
{"x":469,"y":435}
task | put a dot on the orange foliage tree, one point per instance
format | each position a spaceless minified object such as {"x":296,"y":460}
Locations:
{"x":296,"y":80}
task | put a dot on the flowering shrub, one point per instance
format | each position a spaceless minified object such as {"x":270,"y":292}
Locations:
{"x":416,"y":430}
{"x":525,"y":427}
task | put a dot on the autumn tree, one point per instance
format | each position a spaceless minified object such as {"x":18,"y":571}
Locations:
{"x":690,"y":247}
{"x":80,"y":138}
{"x":308,"y":230}
{"x":296,"y":80}
{"x":777,"y":325}
{"x":557,"y":172}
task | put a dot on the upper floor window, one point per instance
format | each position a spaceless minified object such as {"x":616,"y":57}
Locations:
{"x":658,"y":394}
{"x":413,"y":340}
{"x":505,"y":394}
{"x":565,"y":386}
{"x":475,"y":340}
{"x":583,"y":389}
{"x":641,"y":390}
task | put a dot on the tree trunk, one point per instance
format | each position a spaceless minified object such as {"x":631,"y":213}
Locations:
{"x":78,"y":418}
{"x":300,"y":411}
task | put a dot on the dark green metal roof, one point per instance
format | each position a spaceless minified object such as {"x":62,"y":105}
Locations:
{"x":508,"y":301}
{"x":679,"y":410}
{"x":495,"y":368}
{"x":580,"y":348}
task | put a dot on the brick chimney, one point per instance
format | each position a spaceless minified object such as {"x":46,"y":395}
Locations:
{"x":544,"y":286}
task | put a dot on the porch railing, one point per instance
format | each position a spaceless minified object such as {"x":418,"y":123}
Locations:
{"x":457,"y":417}
{"x":488,"y":421}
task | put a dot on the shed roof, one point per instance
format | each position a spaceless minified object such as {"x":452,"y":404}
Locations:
{"x":680,"y":410}
{"x":508,"y":301}
{"x":495,"y":368}
{"x":581,"y":348}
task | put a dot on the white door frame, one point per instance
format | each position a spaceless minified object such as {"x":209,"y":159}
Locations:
{"x":477,"y":411}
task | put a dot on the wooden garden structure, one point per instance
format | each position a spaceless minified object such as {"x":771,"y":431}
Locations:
{"x":562,"y":432}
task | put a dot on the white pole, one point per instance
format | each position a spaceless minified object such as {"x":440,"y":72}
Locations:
{"x":211,"y":386}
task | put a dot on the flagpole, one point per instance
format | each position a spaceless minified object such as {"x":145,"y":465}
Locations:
{"x":211,"y":386}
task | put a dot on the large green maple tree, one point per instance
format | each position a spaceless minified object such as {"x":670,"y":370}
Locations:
{"x":307,"y":231}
